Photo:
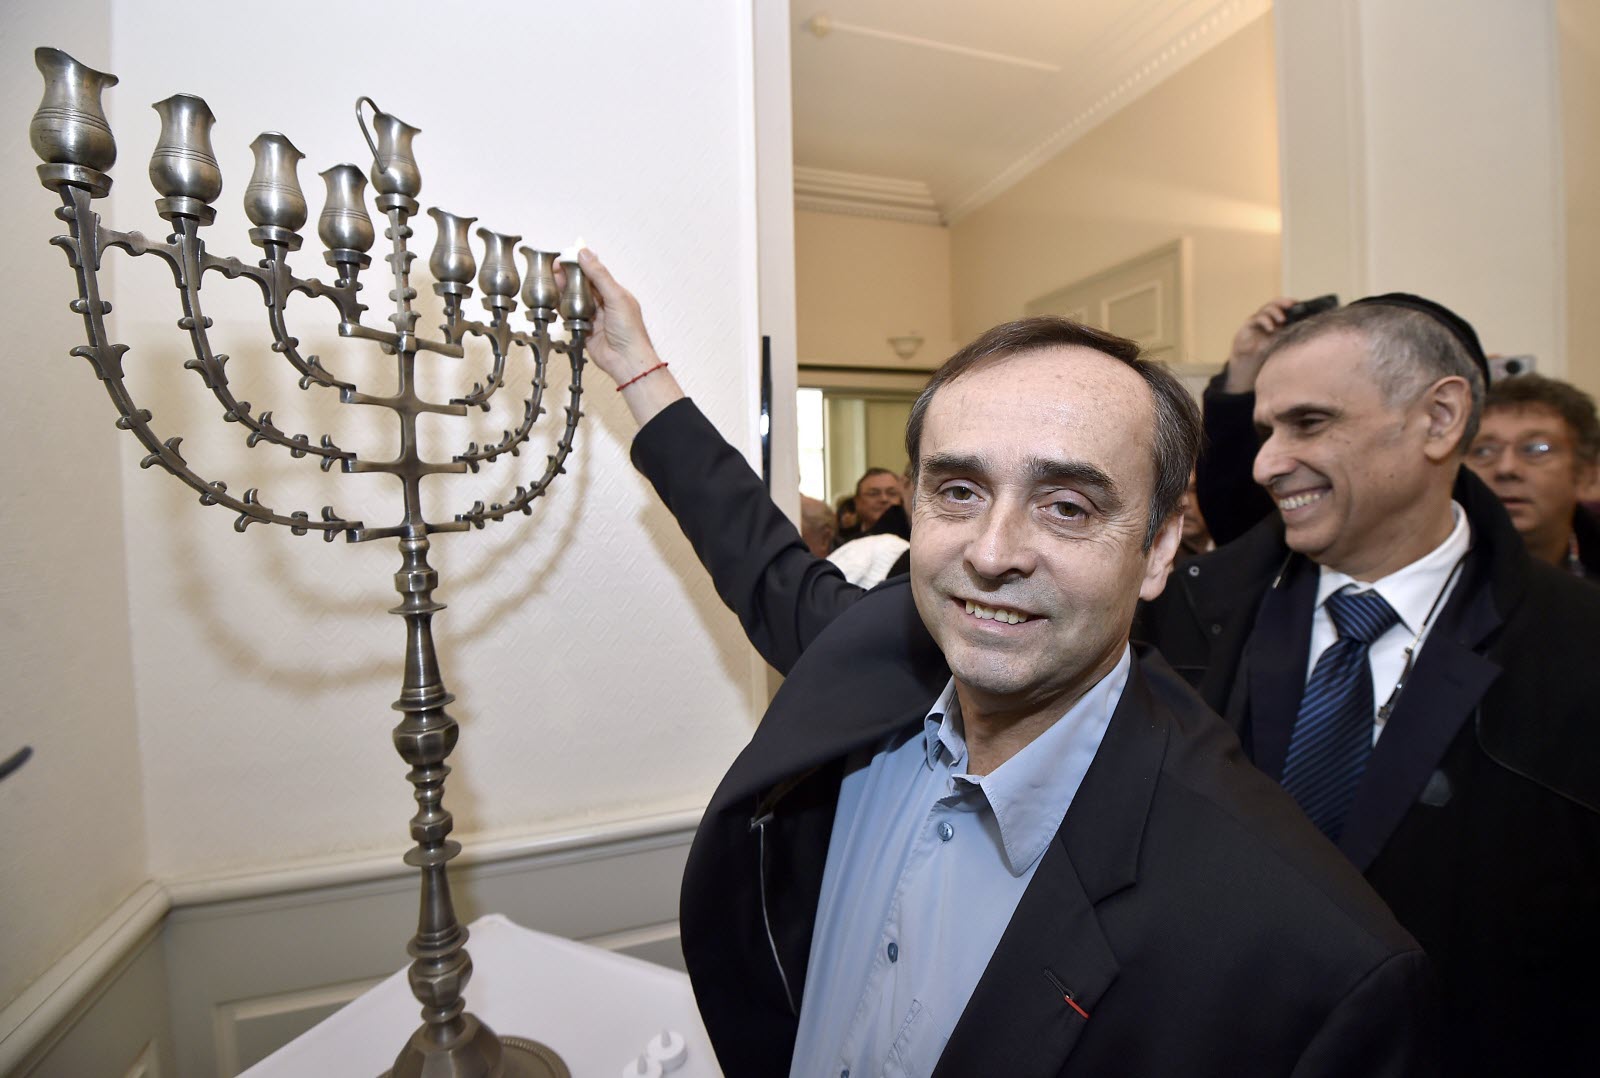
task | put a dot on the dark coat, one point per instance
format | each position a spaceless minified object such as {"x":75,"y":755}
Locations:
{"x":1194,"y":914}
{"x":1478,"y":819}
{"x":1224,"y":483}
{"x":1586,"y":530}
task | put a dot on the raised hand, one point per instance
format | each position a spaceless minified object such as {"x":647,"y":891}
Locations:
{"x":620,"y":345}
{"x":1244,"y":361}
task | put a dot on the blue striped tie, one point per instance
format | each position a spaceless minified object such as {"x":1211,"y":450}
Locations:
{"x":1333,"y":733}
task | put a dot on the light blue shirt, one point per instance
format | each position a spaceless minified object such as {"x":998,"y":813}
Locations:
{"x":926,"y":866}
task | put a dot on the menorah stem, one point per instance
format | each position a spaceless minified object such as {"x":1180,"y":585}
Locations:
{"x":399,"y":208}
{"x":450,"y":1041}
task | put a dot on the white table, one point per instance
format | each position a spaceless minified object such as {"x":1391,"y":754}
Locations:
{"x":595,"y":1008}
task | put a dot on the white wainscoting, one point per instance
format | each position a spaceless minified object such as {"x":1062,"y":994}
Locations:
{"x":238,"y":966}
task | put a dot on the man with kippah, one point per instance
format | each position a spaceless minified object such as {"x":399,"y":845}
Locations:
{"x":1388,"y":650}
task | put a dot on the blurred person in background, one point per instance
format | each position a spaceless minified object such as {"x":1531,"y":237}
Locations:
{"x":817,"y":526}
{"x":1538,"y":448}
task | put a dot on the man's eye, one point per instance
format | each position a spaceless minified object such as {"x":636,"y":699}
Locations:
{"x":958,"y":493}
{"x":1068,"y":510}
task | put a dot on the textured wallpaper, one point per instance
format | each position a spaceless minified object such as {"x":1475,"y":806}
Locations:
{"x":74,"y":844}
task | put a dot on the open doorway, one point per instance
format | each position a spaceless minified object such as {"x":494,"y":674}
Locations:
{"x":954,"y":171}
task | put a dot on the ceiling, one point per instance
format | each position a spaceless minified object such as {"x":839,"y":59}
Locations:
{"x":924,"y":110}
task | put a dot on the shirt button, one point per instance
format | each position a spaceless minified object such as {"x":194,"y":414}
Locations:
{"x":893,"y":951}
{"x":946,"y":832}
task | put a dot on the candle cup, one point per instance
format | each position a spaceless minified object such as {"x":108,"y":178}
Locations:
{"x":539,"y":292}
{"x":183,"y":168}
{"x":69,"y":130}
{"x":577,"y":300}
{"x":394,"y":169}
{"x":272,"y":199}
{"x":451,"y":262}
{"x":345,"y":224}
{"x":498,"y":278}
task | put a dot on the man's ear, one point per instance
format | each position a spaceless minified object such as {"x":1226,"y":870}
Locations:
{"x":1447,"y":404}
{"x":1158,"y":562}
{"x":1588,"y":473}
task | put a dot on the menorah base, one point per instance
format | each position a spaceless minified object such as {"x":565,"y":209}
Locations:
{"x":478,"y":1053}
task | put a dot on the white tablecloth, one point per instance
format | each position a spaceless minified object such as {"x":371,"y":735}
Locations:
{"x":597,"y":1009}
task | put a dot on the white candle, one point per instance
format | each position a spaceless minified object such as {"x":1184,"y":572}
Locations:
{"x":571,"y":253}
{"x":668,"y":1050}
{"x":643,"y":1067}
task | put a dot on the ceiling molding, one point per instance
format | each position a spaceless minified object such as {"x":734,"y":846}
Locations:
{"x":828,"y":191}
{"x":823,"y":25}
{"x":1160,"y":62}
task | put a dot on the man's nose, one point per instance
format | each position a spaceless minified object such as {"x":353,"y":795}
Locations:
{"x":1003,"y":545}
{"x":1271,"y":462}
{"x":1507,"y":464}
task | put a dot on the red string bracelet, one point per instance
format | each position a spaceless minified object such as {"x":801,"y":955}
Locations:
{"x":636,"y":377}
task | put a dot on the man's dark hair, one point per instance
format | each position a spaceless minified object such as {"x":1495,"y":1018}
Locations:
{"x":869,"y":473}
{"x":1572,"y":404}
{"x":1410,"y":350}
{"x":1176,"y":437}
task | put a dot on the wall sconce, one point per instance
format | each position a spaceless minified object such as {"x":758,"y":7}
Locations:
{"x":906,"y":347}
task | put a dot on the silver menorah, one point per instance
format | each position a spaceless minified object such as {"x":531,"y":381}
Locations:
{"x":71,"y":135}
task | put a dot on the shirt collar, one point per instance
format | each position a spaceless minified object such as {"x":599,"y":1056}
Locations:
{"x":1411,"y":591}
{"x":1030,"y":793}
{"x":941,"y":729}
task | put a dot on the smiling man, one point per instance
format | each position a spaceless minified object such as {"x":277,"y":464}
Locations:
{"x":1388,"y":650}
{"x":977,"y":833}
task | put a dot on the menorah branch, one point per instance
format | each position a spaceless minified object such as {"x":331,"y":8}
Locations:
{"x":190,"y":264}
{"x":500,"y":336}
{"x":532,"y":408}
{"x":277,"y":283}
{"x":522,"y":500}
{"x":83,"y":248}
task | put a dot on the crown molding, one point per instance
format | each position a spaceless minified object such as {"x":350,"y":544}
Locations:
{"x":1162,"y":60}
{"x":824,"y":190}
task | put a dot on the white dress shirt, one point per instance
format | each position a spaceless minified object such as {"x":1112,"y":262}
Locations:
{"x":1412,"y":592}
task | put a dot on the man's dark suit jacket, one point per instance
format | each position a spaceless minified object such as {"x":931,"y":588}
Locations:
{"x":1478,"y":819}
{"x":1194,"y":914}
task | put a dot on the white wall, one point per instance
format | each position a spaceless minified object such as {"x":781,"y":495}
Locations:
{"x":1578,"y":29}
{"x":861,"y":280}
{"x":74,"y":840}
{"x":775,"y":217}
{"x":266,"y":662}
{"x":1422,"y":153}
{"x":1196,"y":156}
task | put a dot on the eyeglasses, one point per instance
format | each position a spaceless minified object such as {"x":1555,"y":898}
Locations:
{"x":1536,"y":451}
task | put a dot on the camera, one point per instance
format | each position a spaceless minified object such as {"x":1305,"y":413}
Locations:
{"x":1510,"y":366}
{"x":1307,"y":307}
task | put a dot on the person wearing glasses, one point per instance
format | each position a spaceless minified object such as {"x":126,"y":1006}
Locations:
{"x":1537,"y":448}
